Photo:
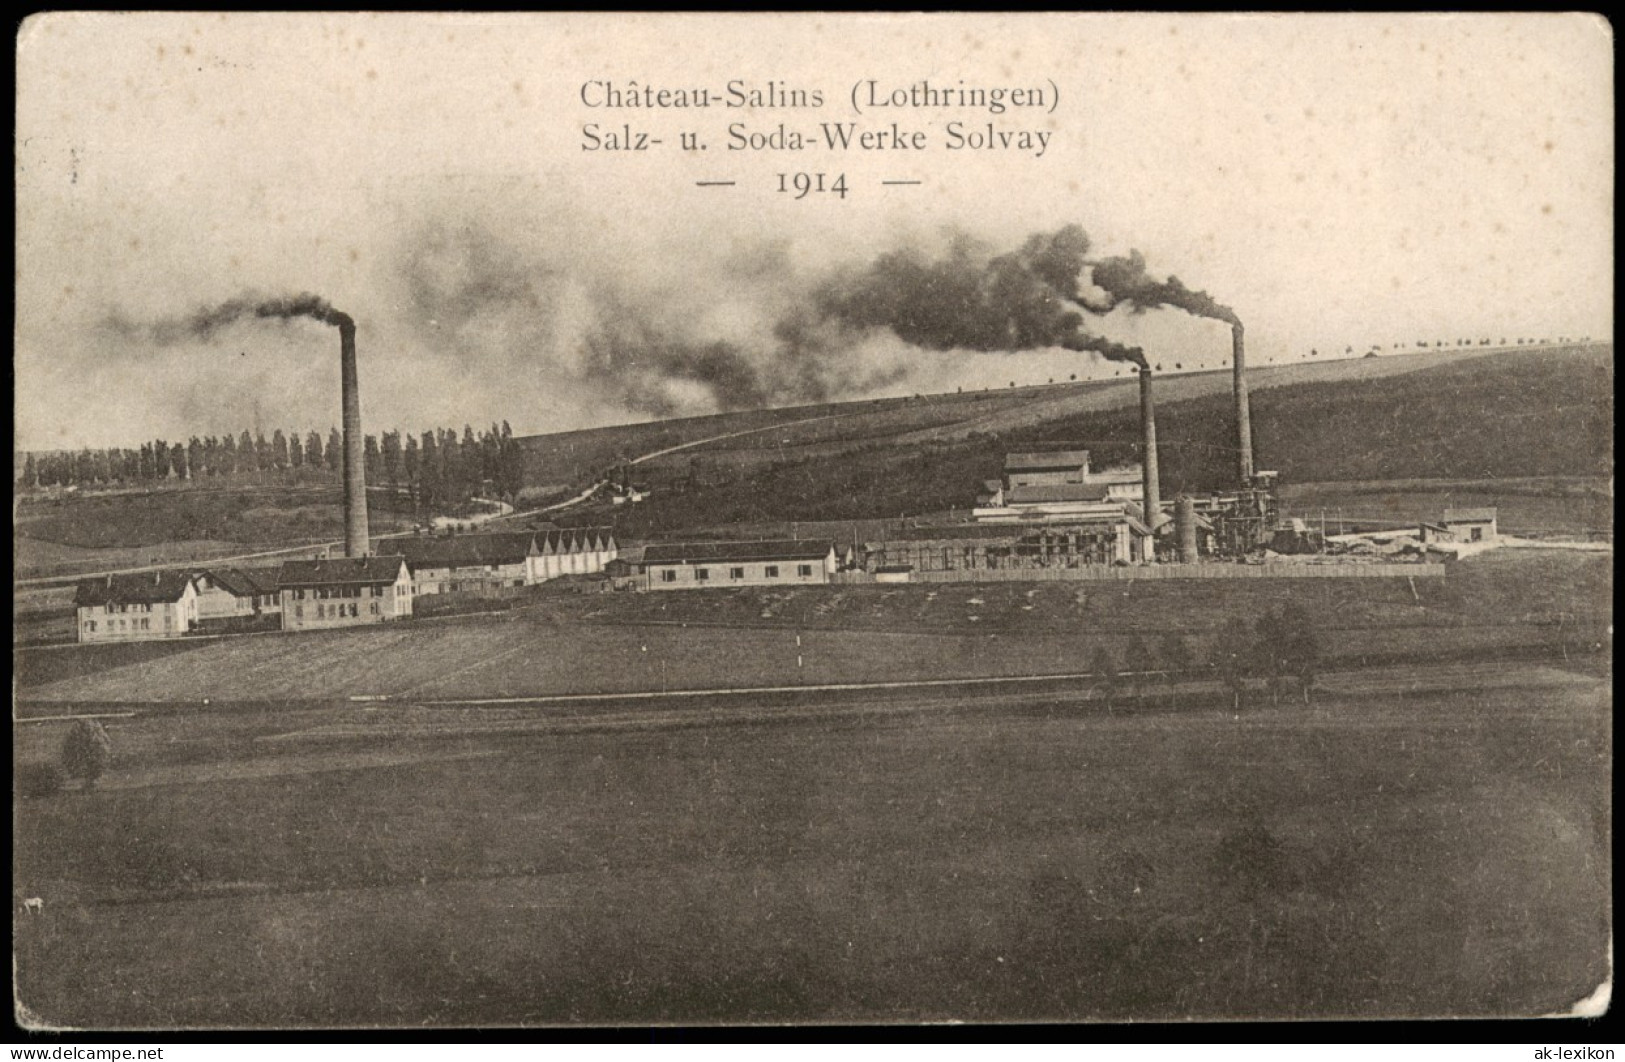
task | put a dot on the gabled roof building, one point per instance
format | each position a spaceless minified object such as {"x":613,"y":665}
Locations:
{"x":136,"y":606}
{"x":344,"y":592}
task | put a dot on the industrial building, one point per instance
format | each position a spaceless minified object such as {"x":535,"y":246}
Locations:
{"x":1046,"y":469}
{"x":485,"y":563}
{"x":473,"y":563}
{"x":573,"y":551}
{"x":1114,"y":537}
{"x":1470,"y":525}
{"x":703,"y":565}
{"x":1045,"y":486}
{"x":121,"y":608}
{"x":344,"y":592}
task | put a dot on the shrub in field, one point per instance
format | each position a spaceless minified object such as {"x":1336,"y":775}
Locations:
{"x":1140,"y":664}
{"x":38,"y":780}
{"x":1288,"y":650}
{"x":1104,"y":670}
{"x":1233,"y":659}
{"x":1176,"y":654}
{"x":85,"y":751}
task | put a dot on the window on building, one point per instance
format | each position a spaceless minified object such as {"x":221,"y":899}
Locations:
{"x":736,"y":573}
{"x":375,"y":608}
{"x":298,"y":612}
{"x":668,"y":576}
{"x":804,"y":570}
{"x":90,"y":625}
{"x":771,"y":571}
{"x":321,"y":611}
{"x":702,"y":574}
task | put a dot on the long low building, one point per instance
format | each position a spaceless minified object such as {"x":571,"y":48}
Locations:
{"x":483,"y":563}
{"x":1114,"y":536}
{"x":703,"y":565}
{"x":124,"y":608}
{"x":344,"y":592}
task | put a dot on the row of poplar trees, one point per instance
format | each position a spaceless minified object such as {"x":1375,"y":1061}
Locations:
{"x":438,"y":469}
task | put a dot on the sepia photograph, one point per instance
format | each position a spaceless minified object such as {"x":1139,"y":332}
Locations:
{"x":569,"y":521}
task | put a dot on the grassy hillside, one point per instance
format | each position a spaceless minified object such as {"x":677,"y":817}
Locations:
{"x":1516,"y":414}
{"x":577,"y":457}
{"x":177,"y":524}
{"x":1464,"y":415}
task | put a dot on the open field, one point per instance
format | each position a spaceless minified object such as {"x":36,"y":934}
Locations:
{"x":1534,"y":601}
{"x":1558,"y":505}
{"x":1434,"y":849}
{"x":178,"y":524}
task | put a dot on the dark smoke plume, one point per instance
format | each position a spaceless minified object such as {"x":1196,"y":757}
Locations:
{"x":741,"y":328}
{"x":1125,"y":280}
{"x":1025,"y":300}
{"x":206,"y":322}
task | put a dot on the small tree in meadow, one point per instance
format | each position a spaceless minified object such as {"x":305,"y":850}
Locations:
{"x":1233,"y":660}
{"x":85,"y":752}
{"x":1141,"y":663}
{"x":1176,"y":654}
{"x":1104,"y":669}
{"x":1303,"y":653}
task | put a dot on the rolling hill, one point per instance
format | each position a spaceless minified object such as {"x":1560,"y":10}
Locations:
{"x":1468,"y":415}
{"x":1461,"y":417}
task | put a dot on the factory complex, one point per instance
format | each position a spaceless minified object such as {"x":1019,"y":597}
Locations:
{"x":1051,"y":515}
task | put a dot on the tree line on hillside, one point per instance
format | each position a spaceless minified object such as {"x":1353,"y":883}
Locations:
{"x":438,"y":469}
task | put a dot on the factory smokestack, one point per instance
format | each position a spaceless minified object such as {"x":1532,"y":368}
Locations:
{"x":1244,"y":420}
{"x":1150,"y":484}
{"x":357,"y":542}
{"x":204,"y":324}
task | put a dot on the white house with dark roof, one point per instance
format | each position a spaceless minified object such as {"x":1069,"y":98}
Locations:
{"x":707,"y":565}
{"x":1470,"y":525}
{"x":137,"y":607}
{"x":345,"y":592}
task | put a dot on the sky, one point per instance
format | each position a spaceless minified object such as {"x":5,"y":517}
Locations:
{"x":1337,"y":181}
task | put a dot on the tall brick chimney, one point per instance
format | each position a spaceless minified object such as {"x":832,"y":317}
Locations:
{"x":1244,"y":419}
{"x":357,"y":542}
